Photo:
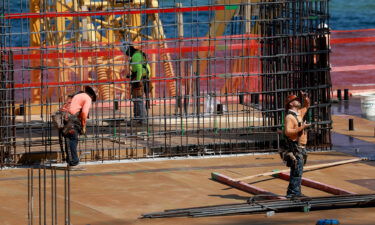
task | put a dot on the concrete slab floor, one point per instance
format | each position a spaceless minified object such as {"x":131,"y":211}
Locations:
{"x":364,"y":128}
{"x":120,"y":193}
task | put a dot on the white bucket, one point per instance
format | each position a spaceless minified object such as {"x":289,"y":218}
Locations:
{"x":368,"y":105}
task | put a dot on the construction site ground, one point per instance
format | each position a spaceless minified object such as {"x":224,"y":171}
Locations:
{"x":119,"y":193}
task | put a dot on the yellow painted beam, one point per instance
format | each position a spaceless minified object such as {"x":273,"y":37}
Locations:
{"x":217,"y":28}
{"x":100,"y":4}
{"x":135,"y":22}
{"x":60,"y":37}
{"x":109,"y":32}
{"x":61,"y":6}
{"x":35,"y":25}
{"x":158,"y":34}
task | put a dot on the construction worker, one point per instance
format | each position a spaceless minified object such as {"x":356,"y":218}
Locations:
{"x":140,"y":83}
{"x":296,"y":135}
{"x":75,"y":123}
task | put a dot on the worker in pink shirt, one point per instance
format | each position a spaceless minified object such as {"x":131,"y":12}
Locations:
{"x":76,"y":122}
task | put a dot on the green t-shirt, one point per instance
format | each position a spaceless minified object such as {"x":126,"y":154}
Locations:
{"x":139,"y":65}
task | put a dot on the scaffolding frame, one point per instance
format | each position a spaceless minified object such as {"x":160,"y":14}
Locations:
{"x":220,"y":74}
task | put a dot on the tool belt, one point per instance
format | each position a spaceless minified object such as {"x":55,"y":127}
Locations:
{"x":58,"y":119}
{"x":72,"y":122}
{"x":298,"y":151}
{"x":140,"y":87}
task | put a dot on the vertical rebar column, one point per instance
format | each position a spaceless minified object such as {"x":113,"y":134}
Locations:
{"x":295,"y":58}
{"x":3,"y":72}
{"x":35,"y":41}
{"x":30,"y":196}
{"x":7,"y":126}
{"x":44,"y":185}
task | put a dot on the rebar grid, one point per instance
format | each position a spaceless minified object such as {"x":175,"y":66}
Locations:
{"x":220,"y":73}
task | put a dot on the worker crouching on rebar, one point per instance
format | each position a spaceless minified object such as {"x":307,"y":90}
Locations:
{"x":75,"y":123}
{"x":140,"y":82}
{"x":296,"y":135}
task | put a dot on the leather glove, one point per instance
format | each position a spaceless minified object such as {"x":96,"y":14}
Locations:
{"x":292,"y":158}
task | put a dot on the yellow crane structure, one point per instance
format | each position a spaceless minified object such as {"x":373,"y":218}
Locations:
{"x":76,"y":29}
{"x":65,"y":32}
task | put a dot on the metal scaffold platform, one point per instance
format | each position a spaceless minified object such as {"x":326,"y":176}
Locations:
{"x":220,"y":71}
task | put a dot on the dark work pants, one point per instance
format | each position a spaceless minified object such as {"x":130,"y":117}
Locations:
{"x":294,"y":187}
{"x":139,"y":112}
{"x":71,"y":142}
{"x":139,"y":109}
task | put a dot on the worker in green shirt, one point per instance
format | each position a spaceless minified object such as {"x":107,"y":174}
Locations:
{"x":140,"y":83}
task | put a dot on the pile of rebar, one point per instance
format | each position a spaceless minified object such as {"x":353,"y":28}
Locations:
{"x":301,"y":204}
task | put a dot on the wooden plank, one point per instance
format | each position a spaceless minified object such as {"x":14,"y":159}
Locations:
{"x":307,"y":168}
{"x":244,"y":186}
{"x":317,"y":185}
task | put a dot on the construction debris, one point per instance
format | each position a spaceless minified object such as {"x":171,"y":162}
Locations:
{"x":298,"y":204}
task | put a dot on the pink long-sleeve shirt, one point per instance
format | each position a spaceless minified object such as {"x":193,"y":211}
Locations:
{"x":81,"y":102}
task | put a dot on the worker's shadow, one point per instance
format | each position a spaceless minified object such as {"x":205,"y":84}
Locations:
{"x":232,"y":196}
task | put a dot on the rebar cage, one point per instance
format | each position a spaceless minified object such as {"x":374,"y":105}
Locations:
{"x":220,"y":71}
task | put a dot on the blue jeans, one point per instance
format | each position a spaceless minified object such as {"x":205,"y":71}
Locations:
{"x":294,"y":187}
{"x":71,"y":142}
{"x":139,"y":110}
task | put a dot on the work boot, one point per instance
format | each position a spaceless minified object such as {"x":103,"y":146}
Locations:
{"x":71,"y":164}
{"x":291,"y":196}
{"x":298,"y":196}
